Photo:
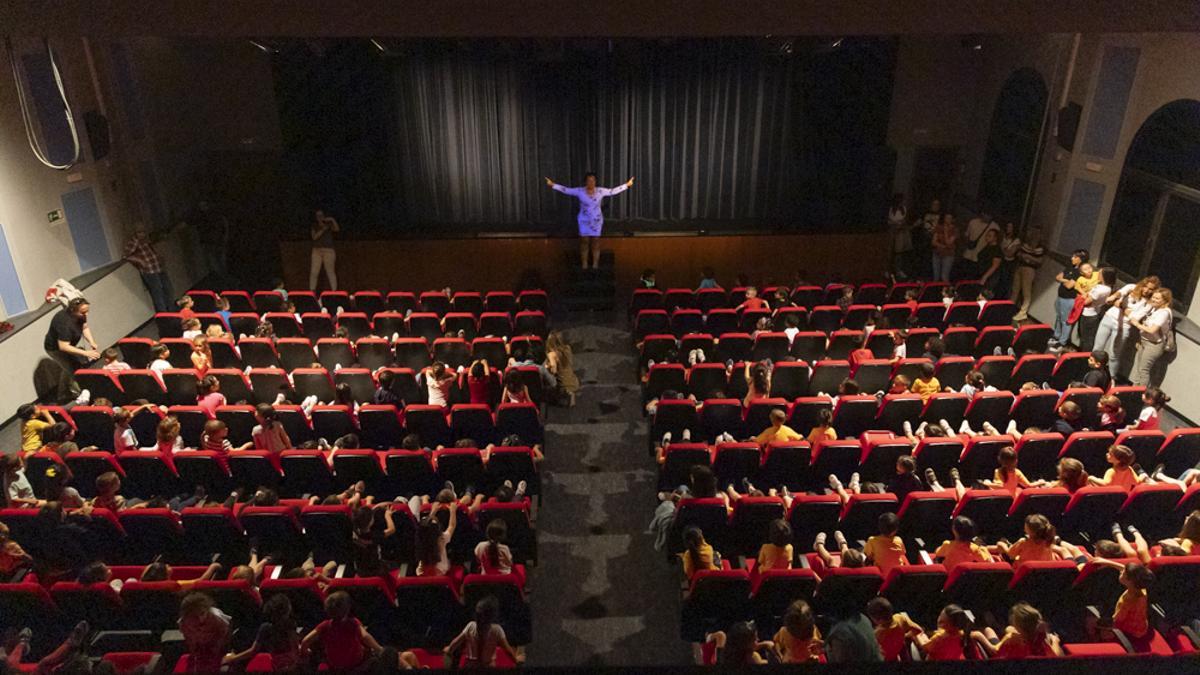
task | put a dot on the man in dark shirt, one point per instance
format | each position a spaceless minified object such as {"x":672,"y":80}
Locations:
{"x":1066,"y":296}
{"x":1070,"y":419}
{"x":1098,"y":376}
{"x":66,"y":329}
{"x":852,"y":638}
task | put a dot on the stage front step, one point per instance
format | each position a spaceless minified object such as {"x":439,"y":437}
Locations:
{"x":590,"y":289}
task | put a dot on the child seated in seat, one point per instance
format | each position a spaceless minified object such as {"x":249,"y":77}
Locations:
{"x":167,"y":438}
{"x":1008,"y":476}
{"x":1131,"y":615}
{"x":949,"y":641}
{"x":1112,"y":415}
{"x":699,"y":555}
{"x":34,"y":421}
{"x":1025,"y":636}
{"x":269,"y":433}
{"x":160,"y":354}
{"x":739,"y":647}
{"x":210,"y":397}
{"x":847,"y":557}
{"x":1070,"y":419}
{"x":367,"y":541}
{"x":160,"y":571}
{"x":776,"y":554}
{"x":886,"y":550}
{"x":432,"y":540}
{"x":798,"y":640}
{"x":779,"y":432}
{"x":477,"y":644}
{"x":974,"y":382}
{"x":901,"y":484}
{"x":752,"y":301}
{"x":1070,"y":476}
{"x":108,"y":488}
{"x":963,"y":548}
{"x":14,"y":561}
{"x":926,"y":385}
{"x":893,"y":629}
{"x":113,"y":362}
{"x":822,"y":431}
{"x":345,"y":641}
{"x":494,"y":556}
{"x":1120,"y":472}
{"x":191,"y":329}
{"x":1037,"y":544}
{"x":20,"y":491}
{"x":899,"y":346}
{"x":1153,"y":401}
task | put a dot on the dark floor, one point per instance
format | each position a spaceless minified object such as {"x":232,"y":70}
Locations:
{"x":601,"y":594}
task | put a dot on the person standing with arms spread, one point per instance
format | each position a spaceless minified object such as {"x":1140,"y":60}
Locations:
{"x":591,"y":218}
{"x":323,"y":255}
{"x":141,"y":254}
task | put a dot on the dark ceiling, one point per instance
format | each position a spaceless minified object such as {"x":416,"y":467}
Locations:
{"x":608,"y":18}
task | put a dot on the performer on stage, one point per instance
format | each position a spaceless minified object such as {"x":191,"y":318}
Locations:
{"x":591,"y":219}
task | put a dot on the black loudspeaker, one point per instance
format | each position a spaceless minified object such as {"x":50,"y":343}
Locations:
{"x":97,"y":131}
{"x":1068,"y":125}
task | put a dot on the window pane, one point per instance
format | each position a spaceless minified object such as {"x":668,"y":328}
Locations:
{"x":1129,"y":227}
{"x":1175,"y":251}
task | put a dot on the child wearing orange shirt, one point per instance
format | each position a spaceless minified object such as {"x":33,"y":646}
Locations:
{"x":776,"y":554}
{"x":1131,"y":615}
{"x":892,"y":630}
{"x":948,"y":641}
{"x":963,"y":548}
{"x":1037,"y":544}
{"x":1008,"y":476}
{"x":885,"y":550}
{"x":926,"y":385}
{"x":1121,"y":472}
{"x":1025,"y":636}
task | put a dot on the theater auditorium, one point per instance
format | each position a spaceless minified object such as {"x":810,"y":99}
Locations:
{"x":601,"y":337}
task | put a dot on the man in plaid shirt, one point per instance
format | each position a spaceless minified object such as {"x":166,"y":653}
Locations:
{"x":140,"y":252}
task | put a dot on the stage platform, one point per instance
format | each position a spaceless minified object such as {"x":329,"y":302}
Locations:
{"x":495,"y":260}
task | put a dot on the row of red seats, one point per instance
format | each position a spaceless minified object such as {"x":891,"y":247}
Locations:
{"x":807,"y":295}
{"x":291,"y":531}
{"x":873,"y":457}
{"x":815,"y":345}
{"x":824,"y":318}
{"x":388,"y":474}
{"x":1063,"y":592}
{"x":367,"y":352}
{"x":792,"y":379}
{"x":396,"y":609}
{"x":856,"y":414}
{"x":1084,"y":516}
{"x":373,"y":302}
{"x":316,"y":325}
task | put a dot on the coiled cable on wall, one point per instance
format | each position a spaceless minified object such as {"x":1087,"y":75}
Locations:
{"x":34,"y":143}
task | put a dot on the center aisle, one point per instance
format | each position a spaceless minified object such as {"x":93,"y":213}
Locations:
{"x":601,"y":594}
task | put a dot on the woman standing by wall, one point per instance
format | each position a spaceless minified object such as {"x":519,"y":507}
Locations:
{"x":1153,"y":325}
{"x":945,"y":245}
{"x":902,"y":243}
{"x":323,"y":254}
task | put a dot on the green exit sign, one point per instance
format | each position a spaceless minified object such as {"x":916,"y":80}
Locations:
{"x":54,"y":216}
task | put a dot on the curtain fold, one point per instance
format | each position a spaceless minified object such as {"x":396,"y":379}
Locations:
{"x":708,"y":136}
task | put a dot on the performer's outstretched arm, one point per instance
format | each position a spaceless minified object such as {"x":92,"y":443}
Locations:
{"x":561,"y":188}
{"x":620,"y":188}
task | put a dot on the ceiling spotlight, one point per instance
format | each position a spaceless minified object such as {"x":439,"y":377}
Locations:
{"x":378,"y":45}
{"x":263,"y":47}
{"x":836,"y":43}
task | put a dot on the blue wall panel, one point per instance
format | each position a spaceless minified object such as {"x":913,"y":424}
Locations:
{"x":1117,"y":71}
{"x":87,"y":230}
{"x":1083,"y":215}
{"x":10,"y":283}
{"x":55,"y":132}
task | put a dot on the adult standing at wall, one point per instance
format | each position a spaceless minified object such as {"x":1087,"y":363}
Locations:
{"x":944,"y":244}
{"x":139,"y":251}
{"x":975,"y":241}
{"x":1029,"y":258}
{"x":1153,"y":325}
{"x":902,"y":243}
{"x":323,"y":253}
{"x":1064,"y":302}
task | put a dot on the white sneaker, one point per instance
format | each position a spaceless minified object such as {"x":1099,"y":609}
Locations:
{"x":84,"y":397}
{"x":279,"y":399}
{"x":964,"y":428}
{"x":337,"y":367}
{"x":700,"y":355}
{"x":908,"y":431}
{"x":687,"y":435}
{"x":991,"y":430}
{"x":520,"y":491}
{"x":666,"y":439}
{"x":1011,"y":428}
{"x":340,"y":309}
{"x":834,"y":483}
{"x":855,"y":482}
{"x":395,"y":337}
{"x":310,"y":401}
{"x":248,"y":368}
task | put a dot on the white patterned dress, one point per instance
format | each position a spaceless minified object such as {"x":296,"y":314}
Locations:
{"x":591,"y":218}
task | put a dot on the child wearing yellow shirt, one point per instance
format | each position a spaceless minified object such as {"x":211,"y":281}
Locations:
{"x":34,"y":420}
{"x":776,"y":554}
{"x":885,"y":550}
{"x":1121,"y":472}
{"x":926,"y":385}
{"x":798,"y":641}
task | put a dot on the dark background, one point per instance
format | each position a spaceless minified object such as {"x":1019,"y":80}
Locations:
{"x":398,"y":137}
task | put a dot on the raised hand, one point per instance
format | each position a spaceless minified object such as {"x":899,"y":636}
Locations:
{"x":629,"y":183}
{"x":549,"y":182}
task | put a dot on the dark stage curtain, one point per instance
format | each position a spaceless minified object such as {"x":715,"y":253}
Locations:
{"x":709,"y":133}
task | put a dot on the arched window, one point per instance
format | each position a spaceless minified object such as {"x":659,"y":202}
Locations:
{"x":1008,"y":162}
{"x":1154,"y":227}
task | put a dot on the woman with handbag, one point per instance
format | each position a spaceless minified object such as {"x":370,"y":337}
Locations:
{"x":1154,"y":326}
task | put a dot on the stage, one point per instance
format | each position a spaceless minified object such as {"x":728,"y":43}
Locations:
{"x":487,"y":260}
